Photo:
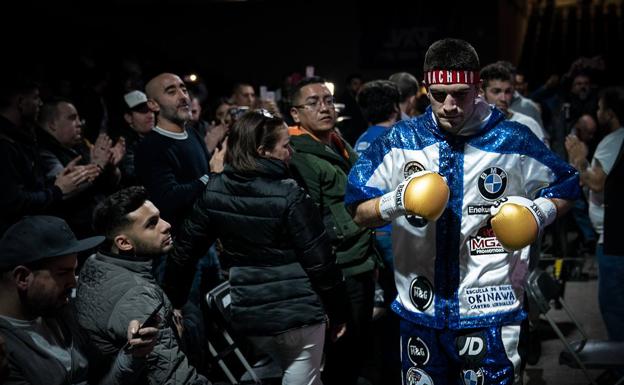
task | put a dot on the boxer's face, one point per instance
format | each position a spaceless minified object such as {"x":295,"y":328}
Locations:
{"x":453,"y":104}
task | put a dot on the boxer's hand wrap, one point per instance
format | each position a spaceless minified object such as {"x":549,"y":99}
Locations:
{"x":518,"y":222}
{"x":423,"y":193}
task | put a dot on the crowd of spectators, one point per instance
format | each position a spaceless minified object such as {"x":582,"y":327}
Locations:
{"x":98,"y":191}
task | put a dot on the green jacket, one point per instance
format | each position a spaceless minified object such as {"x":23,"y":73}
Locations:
{"x":323,"y":173}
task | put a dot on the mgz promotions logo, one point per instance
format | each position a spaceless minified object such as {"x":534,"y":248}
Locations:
{"x":492,"y":183}
{"x":485,"y":242}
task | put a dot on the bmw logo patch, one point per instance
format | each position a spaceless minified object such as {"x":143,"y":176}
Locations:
{"x":492,"y":183}
{"x":412,"y":167}
{"x":471,"y":377}
{"x":417,"y":351}
{"x":421,"y":293}
{"x":415,"y":376}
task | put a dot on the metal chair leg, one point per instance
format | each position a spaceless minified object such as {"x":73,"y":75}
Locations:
{"x":572,"y":352}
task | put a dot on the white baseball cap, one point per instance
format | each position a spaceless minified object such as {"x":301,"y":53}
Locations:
{"x":135,"y":99}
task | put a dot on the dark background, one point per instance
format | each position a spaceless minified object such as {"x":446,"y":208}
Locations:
{"x":264,"y":41}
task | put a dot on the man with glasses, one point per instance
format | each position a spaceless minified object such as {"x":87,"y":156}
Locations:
{"x":321,"y":162}
{"x":460,"y":244}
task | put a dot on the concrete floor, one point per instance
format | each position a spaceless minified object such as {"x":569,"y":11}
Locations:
{"x":582,"y":299}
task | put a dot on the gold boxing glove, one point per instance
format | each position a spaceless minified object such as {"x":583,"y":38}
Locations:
{"x":423,"y":193}
{"x":517,"y":221}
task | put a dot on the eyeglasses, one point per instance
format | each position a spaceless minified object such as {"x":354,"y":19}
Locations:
{"x":315,"y":103}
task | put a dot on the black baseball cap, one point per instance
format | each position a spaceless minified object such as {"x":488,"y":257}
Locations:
{"x":38,"y":237}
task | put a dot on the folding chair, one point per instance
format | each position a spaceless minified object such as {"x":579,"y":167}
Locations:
{"x":585,"y":353}
{"x":219,"y":300}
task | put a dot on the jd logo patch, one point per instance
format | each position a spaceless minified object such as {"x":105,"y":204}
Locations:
{"x":471,"y":348}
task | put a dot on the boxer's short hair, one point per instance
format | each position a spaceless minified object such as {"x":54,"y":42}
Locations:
{"x":451,"y":54}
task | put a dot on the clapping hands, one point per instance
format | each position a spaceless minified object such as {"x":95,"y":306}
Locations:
{"x":104,"y":152}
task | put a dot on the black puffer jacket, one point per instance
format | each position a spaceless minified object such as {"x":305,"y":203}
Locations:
{"x":276,"y":247}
